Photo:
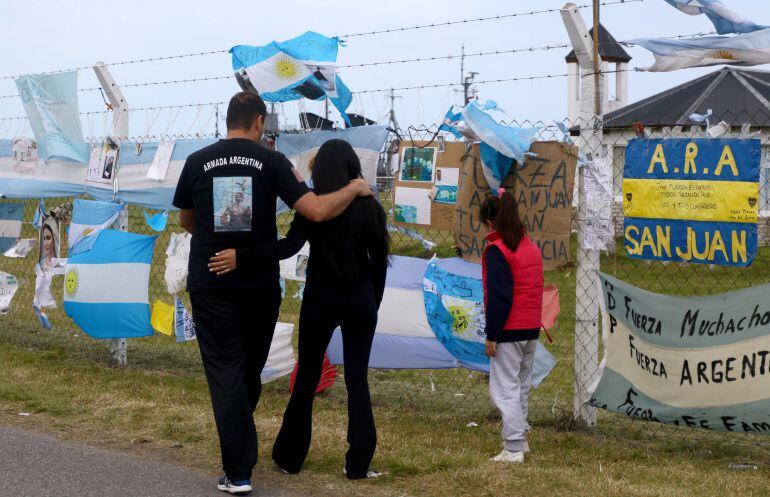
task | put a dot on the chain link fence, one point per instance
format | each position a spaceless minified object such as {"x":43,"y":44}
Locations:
{"x":454,"y":393}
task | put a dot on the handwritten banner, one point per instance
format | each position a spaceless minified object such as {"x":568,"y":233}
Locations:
{"x":544,"y":186}
{"x":470,"y":232}
{"x":693,"y":200}
{"x":695,"y":362}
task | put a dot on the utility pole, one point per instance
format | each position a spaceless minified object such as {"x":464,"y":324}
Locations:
{"x":462,"y":73}
{"x":392,"y":120}
{"x":216,"y":121}
{"x":468,"y":95}
{"x":466,"y":81}
{"x":586,"y":364}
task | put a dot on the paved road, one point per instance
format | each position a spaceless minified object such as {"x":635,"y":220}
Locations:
{"x":32,"y":464}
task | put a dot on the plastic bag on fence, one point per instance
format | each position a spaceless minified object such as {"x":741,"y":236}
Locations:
{"x":177,"y":255}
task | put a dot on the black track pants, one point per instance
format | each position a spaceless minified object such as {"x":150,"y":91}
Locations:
{"x":235,"y":329}
{"x":323,"y":309}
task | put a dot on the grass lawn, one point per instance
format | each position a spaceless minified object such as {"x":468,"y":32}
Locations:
{"x":64,"y":379}
{"x":424,"y":447}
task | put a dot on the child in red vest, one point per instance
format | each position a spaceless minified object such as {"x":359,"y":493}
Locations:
{"x":512,"y":272}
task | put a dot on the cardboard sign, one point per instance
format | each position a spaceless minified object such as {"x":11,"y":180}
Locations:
{"x":470,"y":232}
{"x":437,"y":209}
{"x":544,"y":187}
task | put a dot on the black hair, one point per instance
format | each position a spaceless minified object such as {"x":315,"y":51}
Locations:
{"x":361,"y":228}
{"x":503,"y":213}
{"x":243,"y":109}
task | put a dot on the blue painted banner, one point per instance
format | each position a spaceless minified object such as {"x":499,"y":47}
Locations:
{"x":694,"y":200}
{"x":687,"y":361}
{"x":454,"y":307}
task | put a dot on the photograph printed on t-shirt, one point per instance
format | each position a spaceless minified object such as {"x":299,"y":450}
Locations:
{"x":232,"y":203}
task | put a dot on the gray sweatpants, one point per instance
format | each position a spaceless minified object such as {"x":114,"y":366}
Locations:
{"x":510,"y":377}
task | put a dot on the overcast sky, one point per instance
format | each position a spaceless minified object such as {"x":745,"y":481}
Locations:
{"x":46,"y":35}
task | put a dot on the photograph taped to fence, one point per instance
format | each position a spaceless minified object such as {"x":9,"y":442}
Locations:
{"x":418,"y":164}
{"x":232,"y":203}
{"x":694,"y":200}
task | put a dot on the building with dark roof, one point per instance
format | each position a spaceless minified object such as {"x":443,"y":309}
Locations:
{"x":614,"y":61}
{"x":609,"y":48}
{"x":736,"y":96}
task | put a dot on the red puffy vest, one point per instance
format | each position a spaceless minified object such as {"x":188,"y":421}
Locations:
{"x":527,"y":268}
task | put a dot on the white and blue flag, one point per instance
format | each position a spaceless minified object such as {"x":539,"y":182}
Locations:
{"x":748,"y":49}
{"x":725,"y":20}
{"x":11,"y":215}
{"x":67,"y":178}
{"x":300,"y":148}
{"x":303,"y":67}
{"x":106,"y":288}
{"x":499,"y":144}
{"x":451,"y":120}
{"x":51,"y":104}
{"x":88,"y":218}
{"x":416,"y":331}
{"x":367,"y":141}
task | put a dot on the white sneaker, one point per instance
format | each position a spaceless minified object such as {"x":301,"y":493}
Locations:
{"x":508,"y":456}
{"x":238,"y":487}
{"x":369,"y":474}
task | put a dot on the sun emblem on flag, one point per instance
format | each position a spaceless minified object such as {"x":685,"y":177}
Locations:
{"x":724,"y":55}
{"x":286,"y":68}
{"x":71,"y":281}
{"x":468,"y":318}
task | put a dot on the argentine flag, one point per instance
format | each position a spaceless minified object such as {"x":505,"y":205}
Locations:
{"x":451,"y":119}
{"x":498,"y":143}
{"x":749,"y":49}
{"x":88,"y":218}
{"x":106,"y":287}
{"x":724,"y":19}
{"x":289,"y":70}
{"x":367,"y":141}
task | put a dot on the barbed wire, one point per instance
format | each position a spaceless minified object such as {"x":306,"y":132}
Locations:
{"x":347,"y":66}
{"x":132,"y":109}
{"x":416,"y":87}
{"x":457,"y":56}
{"x":479,"y":19}
{"x":127,"y":62}
{"x":376,"y":90}
{"x":352,"y":35}
{"x":487,"y":81}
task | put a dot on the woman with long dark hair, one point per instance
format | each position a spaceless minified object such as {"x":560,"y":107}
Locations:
{"x":344,"y":287}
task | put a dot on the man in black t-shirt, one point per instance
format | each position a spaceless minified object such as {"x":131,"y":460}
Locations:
{"x":227,"y":198}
